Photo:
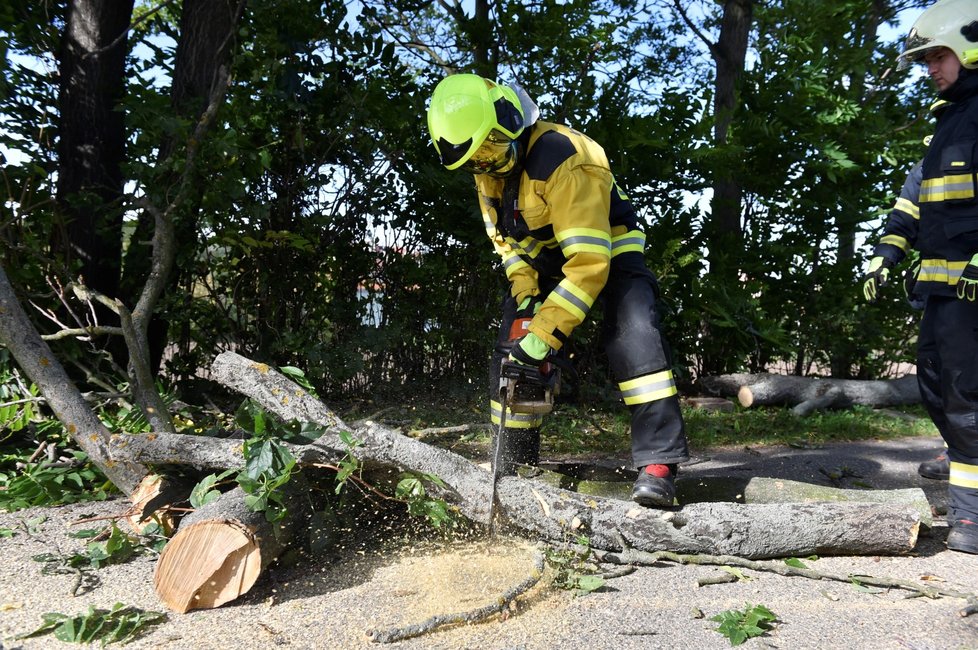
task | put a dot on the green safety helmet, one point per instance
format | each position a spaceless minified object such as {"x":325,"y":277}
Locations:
{"x":474,"y":124}
{"x":947,"y":23}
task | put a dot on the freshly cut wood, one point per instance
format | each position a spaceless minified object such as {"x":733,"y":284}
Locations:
{"x":760,"y":489}
{"x":220,"y":550}
{"x":766,"y":389}
{"x":152,"y":502}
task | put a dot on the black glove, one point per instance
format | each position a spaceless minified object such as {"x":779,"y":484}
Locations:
{"x":968,"y":282}
{"x":876,"y":277}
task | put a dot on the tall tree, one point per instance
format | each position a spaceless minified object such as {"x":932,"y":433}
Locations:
{"x":729,"y":54}
{"x":91,"y":139}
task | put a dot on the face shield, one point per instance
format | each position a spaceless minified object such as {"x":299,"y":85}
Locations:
{"x":915,"y":48}
{"x":497,"y":156}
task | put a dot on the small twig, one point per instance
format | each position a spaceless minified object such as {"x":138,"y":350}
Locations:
{"x":359,"y":482}
{"x":80,"y":332}
{"x":716,"y":579}
{"x":421,"y":433}
{"x":38,"y":451}
{"x":472,"y":616}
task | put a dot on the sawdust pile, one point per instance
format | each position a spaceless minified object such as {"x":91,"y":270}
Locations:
{"x":437,"y":581}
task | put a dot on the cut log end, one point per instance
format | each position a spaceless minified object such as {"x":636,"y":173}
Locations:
{"x":206,"y":565}
{"x":745,"y":396}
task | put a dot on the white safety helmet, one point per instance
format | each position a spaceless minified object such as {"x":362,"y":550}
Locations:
{"x":947,"y":23}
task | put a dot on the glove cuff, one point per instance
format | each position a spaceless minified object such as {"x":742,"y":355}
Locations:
{"x":531,"y":350}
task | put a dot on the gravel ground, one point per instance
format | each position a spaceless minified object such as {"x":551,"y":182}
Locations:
{"x":333,"y":602}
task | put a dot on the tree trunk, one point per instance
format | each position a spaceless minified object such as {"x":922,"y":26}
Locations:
{"x":91,"y":144}
{"x":730,"y":55}
{"x":35,"y":358}
{"x":779,"y":390}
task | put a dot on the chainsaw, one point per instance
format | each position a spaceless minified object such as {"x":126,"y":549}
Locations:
{"x":522,"y":389}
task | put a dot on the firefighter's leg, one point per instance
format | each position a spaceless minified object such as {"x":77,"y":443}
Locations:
{"x":520,"y":443}
{"x":929,"y":381}
{"x":640,"y":364}
{"x":955,"y":330}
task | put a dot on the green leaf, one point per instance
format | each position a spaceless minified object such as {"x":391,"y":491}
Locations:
{"x":796,"y":563}
{"x":740,"y":625}
{"x":204,"y":492}
{"x":118,"y":625}
{"x":737,"y":573}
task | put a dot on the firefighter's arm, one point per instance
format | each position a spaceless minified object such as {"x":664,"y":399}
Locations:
{"x":579,"y":200}
{"x":900,"y":232}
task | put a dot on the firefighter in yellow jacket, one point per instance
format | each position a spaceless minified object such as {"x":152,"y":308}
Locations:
{"x":937,"y":214}
{"x":568,"y":239}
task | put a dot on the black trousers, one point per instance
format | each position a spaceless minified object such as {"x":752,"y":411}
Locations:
{"x":639,"y":360}
{"x":947,"y":372}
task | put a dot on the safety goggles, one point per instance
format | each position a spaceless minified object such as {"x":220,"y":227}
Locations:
{"x":496,"y":155}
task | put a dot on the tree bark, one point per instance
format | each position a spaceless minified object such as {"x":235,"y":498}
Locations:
{"x":765,"y":389}
{"x":762,"y":489}
{"x":91,"y":140}
{"x":35,"y":358}
{"x":730,"y":55}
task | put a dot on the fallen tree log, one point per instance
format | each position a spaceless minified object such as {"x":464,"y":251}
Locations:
{"x":754,"y":531}
{"x":749,"y":531}
{"x":761,"y":489}
{"x":221,"y":549}
{"x":765,"y":389}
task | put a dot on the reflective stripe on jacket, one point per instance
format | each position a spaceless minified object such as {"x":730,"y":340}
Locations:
{"x":563,"y":217}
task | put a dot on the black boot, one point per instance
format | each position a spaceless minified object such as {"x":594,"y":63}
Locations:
{"x":963,"y":537}
{"x":938,"y":469}
{"x":655,"y":486}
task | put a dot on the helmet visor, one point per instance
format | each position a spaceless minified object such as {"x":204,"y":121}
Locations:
{"x":496,"y":156}
{"x":914,"y":49}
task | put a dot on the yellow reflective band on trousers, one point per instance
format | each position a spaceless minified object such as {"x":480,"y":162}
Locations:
{"x":584,"y":240}
{"x":907,"y":206}
{"x":514,"y":420}
{"x":632,"y":241}
{"x":896,"y":240}
{"x":572,"y":298}
{"x":648,"y":388}
{"x":954,"y":186}
{"x":940,"y":271}
{"x":963,"y":475}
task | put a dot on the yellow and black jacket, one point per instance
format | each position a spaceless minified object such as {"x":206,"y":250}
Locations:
{"x":937,"y":211}
{"x":562,"y":217}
